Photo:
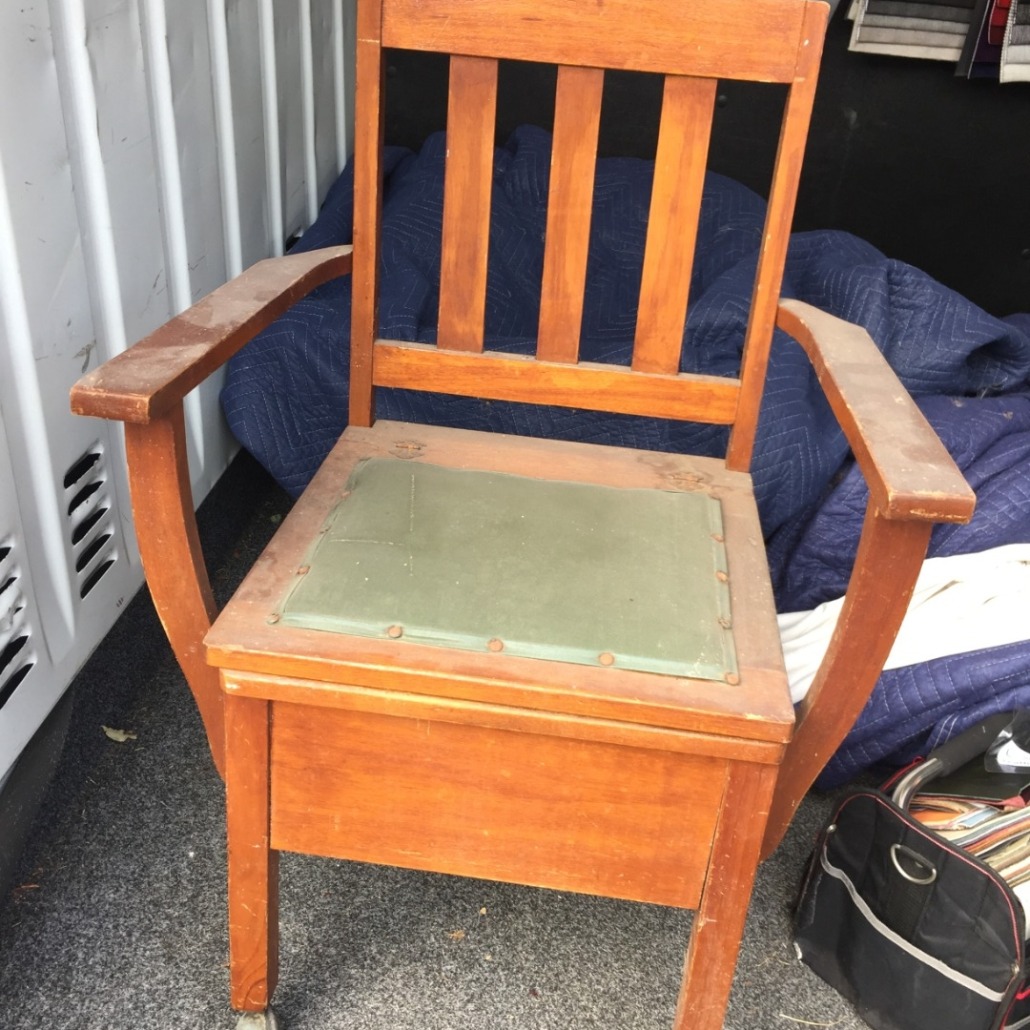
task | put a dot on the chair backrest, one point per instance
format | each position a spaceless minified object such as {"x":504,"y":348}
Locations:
{"x":692,"y":45}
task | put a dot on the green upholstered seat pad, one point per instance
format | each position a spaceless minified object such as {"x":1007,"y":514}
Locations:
{"x":556,"y":570}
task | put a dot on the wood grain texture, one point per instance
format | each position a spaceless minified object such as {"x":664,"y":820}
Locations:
{"x":151,"y":377}
{"x":909,"y":471}
{"x":468,"y":186}
{"x":253,"y":865}
{"x":368,"y":213}
{"x":757,"y":708}
{"x":588,"y":778}
{"x":515,"y":377}
{"x":719,"y":922}
{"x":887,"y":565}
{"x":577,"y":119}
{"x":169,"y":545}
{"x":672,"y":222}
{"x":540,"y":810}
{"x":704,"y":37}
{"x":776,"y":236}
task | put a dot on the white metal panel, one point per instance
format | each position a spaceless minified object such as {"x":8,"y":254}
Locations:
{"x":155,"y":148}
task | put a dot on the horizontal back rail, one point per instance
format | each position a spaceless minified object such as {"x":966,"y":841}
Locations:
{"x":518,"y":377}
{"x":702,"y":37}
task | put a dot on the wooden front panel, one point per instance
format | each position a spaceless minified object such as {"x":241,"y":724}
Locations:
{"x":473,"y":801}
{"x":703,"y":37}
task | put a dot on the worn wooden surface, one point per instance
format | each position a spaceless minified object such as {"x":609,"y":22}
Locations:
{"x":468,"y":183}
{"x":539,"y":809}
{"x":672,"y":222}
{"x":166,"y":529}
{"x":515,"y":377}
{"x":889,"y":557}
{"x":776,"y":236}
{"x":577,"y":119}
{"x":583,"y":778}
{"x":704,"y":37}
{"x":909,"y":472}
{"x":151,"y":377}
{"x":253,"y":865}
{"x":248,"y":636}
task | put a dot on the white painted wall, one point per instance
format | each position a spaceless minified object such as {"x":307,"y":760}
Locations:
{"x":149,"y":150}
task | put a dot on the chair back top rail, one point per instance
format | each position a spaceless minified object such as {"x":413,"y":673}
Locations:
{"x":692,"y":45}
{"x":703,"y":37}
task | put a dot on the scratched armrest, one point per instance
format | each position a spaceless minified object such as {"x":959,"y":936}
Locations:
{"x":909,"y":471}
{"x":142,"y":383}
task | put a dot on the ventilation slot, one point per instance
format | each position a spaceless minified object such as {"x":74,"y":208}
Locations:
{"x":91,"y":552}
{"x":80,"y":531}
{"x":95,"y":576}
{"x":89,"y":512}
{"x":81,"y":468}
{"x":16,"y":657}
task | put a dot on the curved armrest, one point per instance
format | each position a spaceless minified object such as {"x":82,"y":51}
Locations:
{"x":145,"y":387}
{"x":149,"y":378}
{"x":909,"y":472}
{"x":913,"y":483}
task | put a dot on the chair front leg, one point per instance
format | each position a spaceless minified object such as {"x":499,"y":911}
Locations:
{"x":719,"y":921}
{"x":253,"y":865}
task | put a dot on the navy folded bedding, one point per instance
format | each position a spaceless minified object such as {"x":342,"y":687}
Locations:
{"x":285,"y":394}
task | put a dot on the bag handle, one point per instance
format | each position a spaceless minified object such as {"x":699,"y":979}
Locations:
{"x":950,"y":756}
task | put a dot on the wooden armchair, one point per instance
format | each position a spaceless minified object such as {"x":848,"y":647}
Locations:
{"x":549,"y":663}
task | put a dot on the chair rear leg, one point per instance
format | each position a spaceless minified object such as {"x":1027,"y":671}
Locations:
{"x":719,"y":921}
{"x":253,"y":865}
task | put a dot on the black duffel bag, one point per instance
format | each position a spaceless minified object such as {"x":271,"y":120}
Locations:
{"x":917,"y":933}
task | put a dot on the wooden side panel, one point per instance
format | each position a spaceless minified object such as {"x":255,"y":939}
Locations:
{"x":672,"y":222}
{"x":586,"y":385}
{"x":474,"y":801}
{"x":577,"y":118}
{"x":468,"y":181}
{"x":703,"y":37}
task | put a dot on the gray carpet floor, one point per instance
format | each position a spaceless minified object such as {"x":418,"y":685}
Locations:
{"x":116,"y":915}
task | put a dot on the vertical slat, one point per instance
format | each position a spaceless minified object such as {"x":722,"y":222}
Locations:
{"x":471,"y":113}
{"x":368,"y":145}
{"x":776,"y":236}
{"x":270,"y":109}
{"x":679,"y":177}
{"x":225,"y":132}
{"x":577,"y":117}
{"x":307,"y":100}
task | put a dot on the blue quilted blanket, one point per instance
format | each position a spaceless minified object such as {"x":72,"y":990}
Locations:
{"x":285,"y":395}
